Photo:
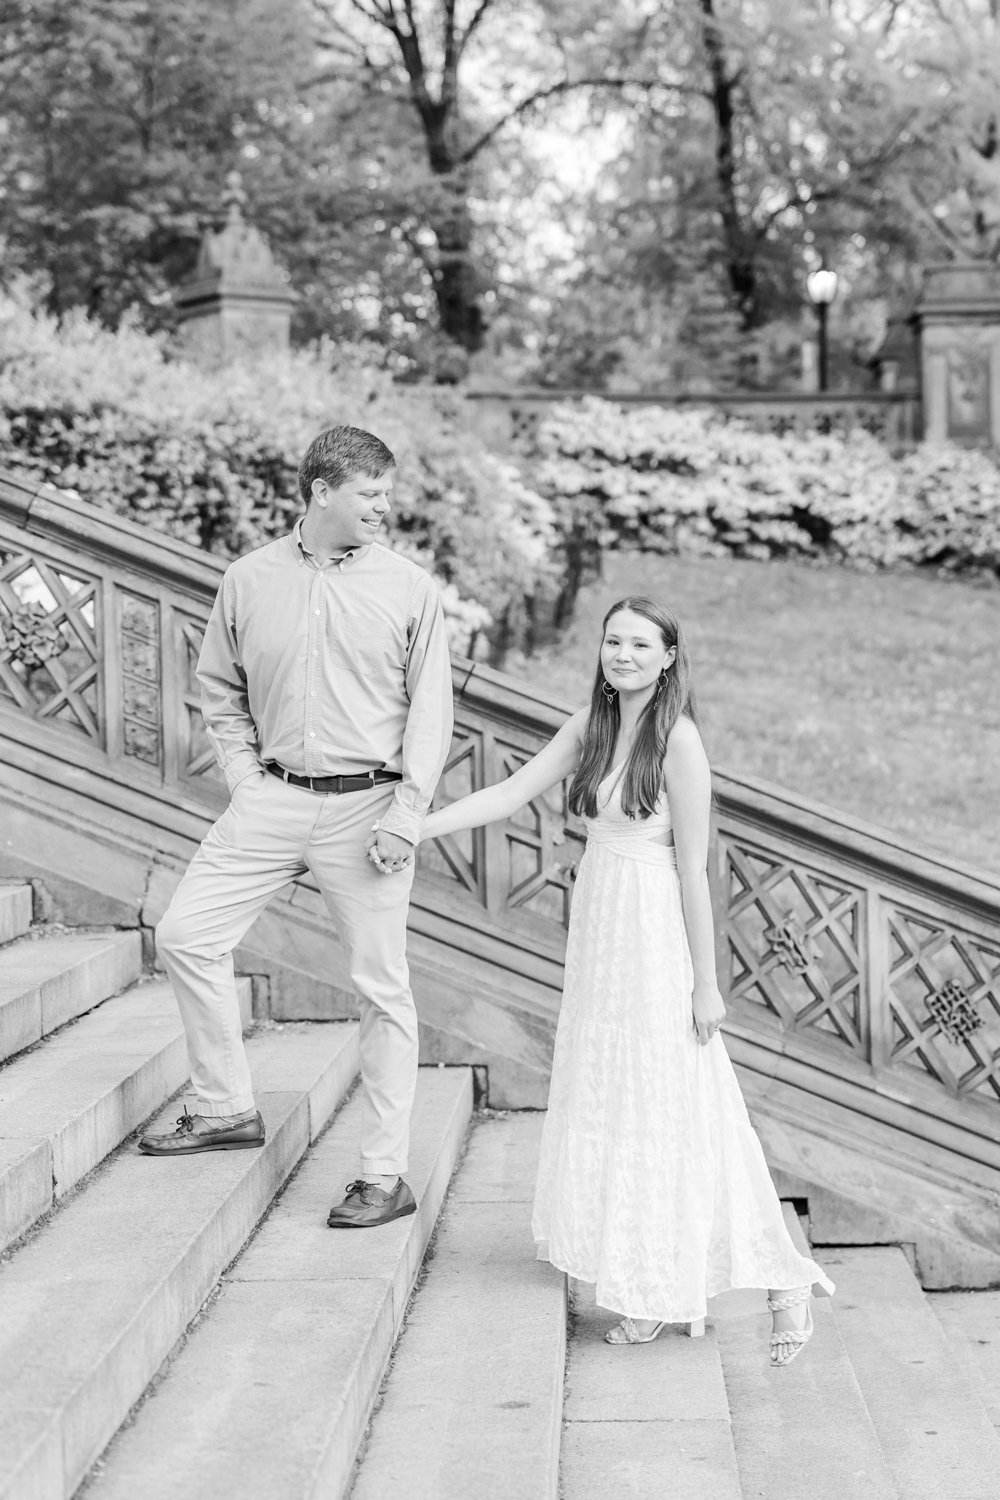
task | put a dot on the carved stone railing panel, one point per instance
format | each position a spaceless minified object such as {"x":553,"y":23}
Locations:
{"x":460,"y":857}
{"x":794,"y":937}
{"x":943,"y":995}
{"x":842,"y":950}
{"x":50,"y":656}
{"x":141,"y":684}
{"x":509,"y":420}
{"x":90,"y":646}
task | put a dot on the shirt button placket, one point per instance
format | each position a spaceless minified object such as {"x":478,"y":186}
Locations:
{"x":309,"y":756}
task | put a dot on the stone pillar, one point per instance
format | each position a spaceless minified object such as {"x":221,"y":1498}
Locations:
{"x":896,"y":365}
{"x":238,"y":301}
{"x":958,"y":322}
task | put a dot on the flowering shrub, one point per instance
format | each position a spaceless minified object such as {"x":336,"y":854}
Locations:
{"x":211,"y":456}
{"x":688,"y":480}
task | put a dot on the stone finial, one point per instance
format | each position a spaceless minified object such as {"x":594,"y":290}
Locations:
{"x":238,"y":299}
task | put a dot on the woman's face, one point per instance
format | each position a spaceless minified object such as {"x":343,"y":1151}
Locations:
{"x":632,"y":653}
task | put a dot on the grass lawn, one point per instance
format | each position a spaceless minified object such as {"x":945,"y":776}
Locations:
{"x":876,"y":693}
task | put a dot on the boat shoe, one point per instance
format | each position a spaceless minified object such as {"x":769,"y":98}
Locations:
{"x":367,"y":1206}
{"x":185,"y":1140}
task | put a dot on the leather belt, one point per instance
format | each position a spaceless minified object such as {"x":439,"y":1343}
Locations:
{"x":335,"y":784}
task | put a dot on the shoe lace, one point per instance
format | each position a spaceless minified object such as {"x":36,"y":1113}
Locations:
{"x":185,"y":1123}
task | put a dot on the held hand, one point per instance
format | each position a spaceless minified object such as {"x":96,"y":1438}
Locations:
{"x":388,"y":852}
{"x":707,"y":1012}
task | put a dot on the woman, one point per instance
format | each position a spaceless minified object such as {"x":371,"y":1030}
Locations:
{"x":652,"y":1183}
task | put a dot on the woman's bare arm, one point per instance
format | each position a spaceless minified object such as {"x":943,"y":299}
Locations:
{"x":689,"y":792}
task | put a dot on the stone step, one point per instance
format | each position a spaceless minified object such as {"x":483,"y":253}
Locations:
{"x":870,"y":1183}
{"x":473,"y":1402}
{"x":16,"y":906}
{"x":47,"y":981}
{"x":296,"y":1343}
{"x":95,"y":1302}
{"x":932,"y":1428}
{"x":70,"y":1101}
{"x":971,"y":1323}
{"x":647,"y":1421}
{"x":804,"y":1431}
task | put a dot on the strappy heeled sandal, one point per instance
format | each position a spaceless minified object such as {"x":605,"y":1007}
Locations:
{"x":790,"y":1340}
{"x":626,"y":1332}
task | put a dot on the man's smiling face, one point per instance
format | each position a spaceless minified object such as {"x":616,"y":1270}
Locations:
{"x":353,"y":512}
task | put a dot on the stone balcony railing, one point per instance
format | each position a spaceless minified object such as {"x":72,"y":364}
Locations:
{"x":506,"y":420}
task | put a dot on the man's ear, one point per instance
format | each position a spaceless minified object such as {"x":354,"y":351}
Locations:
{"x":320,"y":491}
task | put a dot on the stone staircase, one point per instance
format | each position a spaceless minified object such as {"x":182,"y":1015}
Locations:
{"x":193,"y":1328}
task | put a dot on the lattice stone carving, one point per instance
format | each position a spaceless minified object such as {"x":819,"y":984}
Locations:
{"x":141,"y":686}
{"x":794,"y":936}
{"x":943,"y":994}
{"x":953,"y":1010}
{"x":791,"y":944}
{"x":460,"y":856}
{"x":540,"y":846}
{"x":195,"y":756}
{"x":65,"y":685}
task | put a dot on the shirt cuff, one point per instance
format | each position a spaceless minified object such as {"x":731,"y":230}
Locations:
{"x":402,"y":820}
{"x":242,"y":765}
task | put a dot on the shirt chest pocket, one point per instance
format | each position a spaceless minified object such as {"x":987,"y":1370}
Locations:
{"x":367,"y":644}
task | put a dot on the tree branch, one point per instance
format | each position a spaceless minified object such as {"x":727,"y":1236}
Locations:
{"x":945,"y":233}
{"x":565,"y":86}
{"x":471,"y":29}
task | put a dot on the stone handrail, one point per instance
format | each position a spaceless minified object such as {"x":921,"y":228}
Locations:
{"x":506,"y":418}
{"x":854,"y":965}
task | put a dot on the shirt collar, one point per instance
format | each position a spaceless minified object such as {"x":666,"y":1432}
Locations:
{"x":304,"y":555}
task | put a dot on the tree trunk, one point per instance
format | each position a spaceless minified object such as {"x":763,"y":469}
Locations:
{"x":740,"y":264}
{"x":455,"y":280}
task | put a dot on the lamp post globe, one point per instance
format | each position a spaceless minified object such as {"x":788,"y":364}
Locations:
{"x":822,"y":288}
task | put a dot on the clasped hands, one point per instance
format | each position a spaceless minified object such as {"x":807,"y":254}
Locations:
{"x":388,"y":852}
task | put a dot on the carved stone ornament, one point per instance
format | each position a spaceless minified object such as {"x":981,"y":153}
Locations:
{"x":791,"y":944}
{"x":235,"y":259}
{"x":954,"y":1011}
{"x":30,"y":636}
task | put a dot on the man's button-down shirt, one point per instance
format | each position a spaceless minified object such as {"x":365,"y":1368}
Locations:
{"x":330,"y":669}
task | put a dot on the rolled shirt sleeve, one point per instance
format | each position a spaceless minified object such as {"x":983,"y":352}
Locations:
{"x":430,"y":718}
{"x":225,"y":702}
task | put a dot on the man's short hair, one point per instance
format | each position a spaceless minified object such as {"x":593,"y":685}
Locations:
{"x":340,"y":452}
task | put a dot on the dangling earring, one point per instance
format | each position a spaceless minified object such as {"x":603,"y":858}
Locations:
{"x":610,"y":693}
{"x":661,"y":681}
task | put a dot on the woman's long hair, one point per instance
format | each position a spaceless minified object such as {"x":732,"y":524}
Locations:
{"x":643,"y":776}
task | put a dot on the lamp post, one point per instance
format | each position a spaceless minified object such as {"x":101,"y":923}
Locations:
{"x":822,"y":288}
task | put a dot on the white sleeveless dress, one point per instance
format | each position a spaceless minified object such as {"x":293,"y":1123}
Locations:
{"x":652,"y":1184}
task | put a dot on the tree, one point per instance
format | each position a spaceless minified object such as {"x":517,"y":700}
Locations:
{"x":120,"y":120}
{"x":554,"y":51}
{"x":863,"y":134}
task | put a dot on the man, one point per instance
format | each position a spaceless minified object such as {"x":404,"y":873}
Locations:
{"x":326,"y":691}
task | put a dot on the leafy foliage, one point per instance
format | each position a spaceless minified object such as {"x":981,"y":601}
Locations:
{"x":625,"y":194}
{"x":212,"y":457}
{"x":670,"y":481}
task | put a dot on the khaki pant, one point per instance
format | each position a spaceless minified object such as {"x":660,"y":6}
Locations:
{"x":270,"y":833}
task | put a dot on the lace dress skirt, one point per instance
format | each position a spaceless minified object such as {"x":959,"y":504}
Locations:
{"x":652,"y":1184}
